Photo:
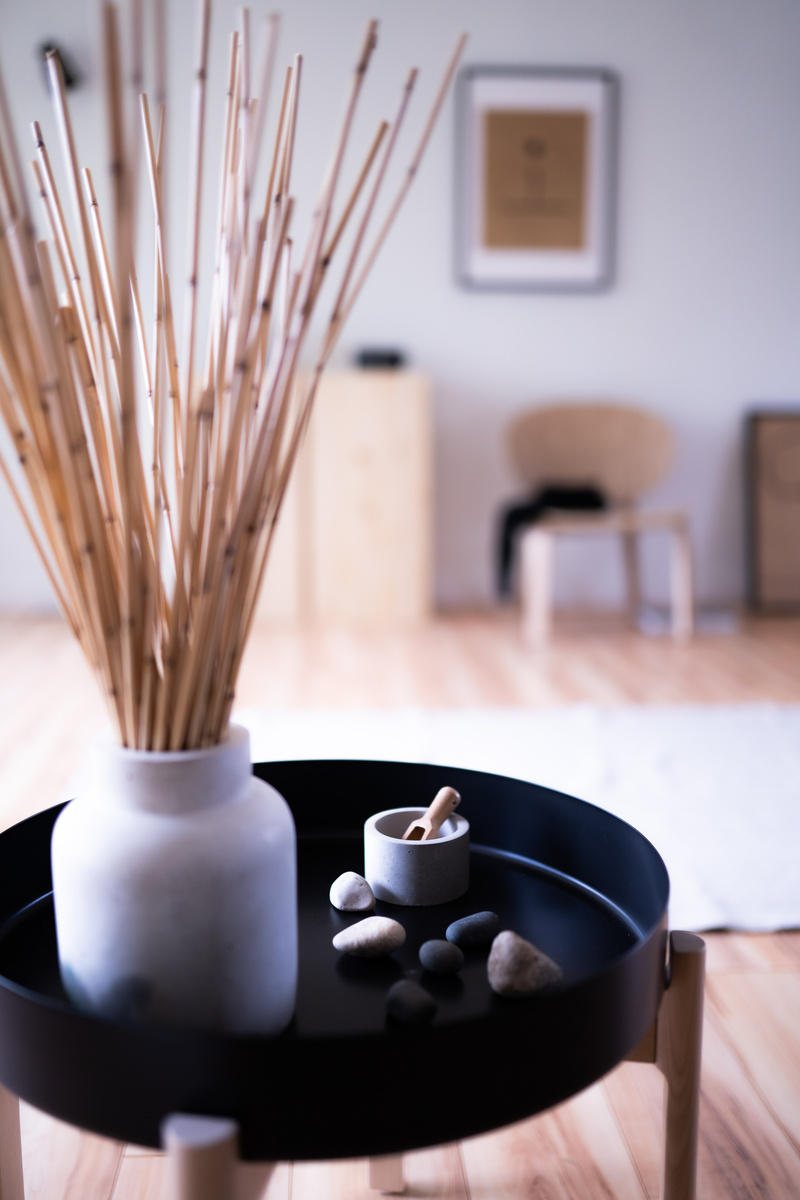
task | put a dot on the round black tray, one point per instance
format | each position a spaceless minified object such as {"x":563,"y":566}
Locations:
{"x":344,"y":1080}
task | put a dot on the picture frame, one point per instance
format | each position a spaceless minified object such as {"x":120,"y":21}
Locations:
{"x":536,"y":178}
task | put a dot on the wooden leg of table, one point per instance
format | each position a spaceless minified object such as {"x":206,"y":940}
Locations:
{"x":536,"y":585}
{"x":679,"y":1035}
{"x":681,"y":583}
{"x":203,"y":1155}
{"x":386,"y":1174}
{"x":12,"y":1186}
{"x":252,"y":1180}
{"x":633,"y":595}
{"x":674,"y":1043}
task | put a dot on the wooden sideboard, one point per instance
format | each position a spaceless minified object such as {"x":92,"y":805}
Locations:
{"x":354,"y":542}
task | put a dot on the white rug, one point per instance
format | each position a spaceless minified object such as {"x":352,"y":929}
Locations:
{"x":715,"y":788}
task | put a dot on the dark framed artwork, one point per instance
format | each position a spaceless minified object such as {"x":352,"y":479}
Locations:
{"x":535,"y":178}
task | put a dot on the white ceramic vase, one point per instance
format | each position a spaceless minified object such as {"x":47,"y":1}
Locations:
{"x":175,"y":891}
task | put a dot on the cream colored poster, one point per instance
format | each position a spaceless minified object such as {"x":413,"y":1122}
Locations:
{"x":535,"y":179}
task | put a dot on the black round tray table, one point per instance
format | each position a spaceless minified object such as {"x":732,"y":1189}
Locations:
{"x":584,"y":886}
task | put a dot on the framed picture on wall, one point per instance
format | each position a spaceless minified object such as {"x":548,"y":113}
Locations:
{"x":535,"y":179}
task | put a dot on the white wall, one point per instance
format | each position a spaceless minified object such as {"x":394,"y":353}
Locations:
{"x":703,"y":319}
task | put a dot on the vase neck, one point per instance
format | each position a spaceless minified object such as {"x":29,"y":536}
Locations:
{"x":173,"y":782}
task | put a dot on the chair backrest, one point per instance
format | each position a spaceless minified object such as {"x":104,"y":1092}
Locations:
{"x":622,"y":451}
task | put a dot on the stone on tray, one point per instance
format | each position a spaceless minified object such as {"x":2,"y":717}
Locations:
{"x":371,"y":937}
{"x":441,"y":957}
{"x":351,"y":893}
{"x":518,"y":968}
{"x":478,"y":929}
{"x":406,"y":1001}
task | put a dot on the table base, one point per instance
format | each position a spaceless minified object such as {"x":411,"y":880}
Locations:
{"x":203,"y":1155}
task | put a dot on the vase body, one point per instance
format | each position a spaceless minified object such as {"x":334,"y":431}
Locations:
{"x":175,"y":891}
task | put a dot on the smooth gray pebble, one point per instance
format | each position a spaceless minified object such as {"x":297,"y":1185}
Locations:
{"x":478,"y":929}
{"x":409,"y":1003}
{"x":441,"y":957}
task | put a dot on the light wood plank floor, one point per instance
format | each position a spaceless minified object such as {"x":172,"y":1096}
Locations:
{"x":604,"y":1143}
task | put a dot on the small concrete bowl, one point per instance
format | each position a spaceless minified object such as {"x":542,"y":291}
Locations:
{"x":415,"y":873}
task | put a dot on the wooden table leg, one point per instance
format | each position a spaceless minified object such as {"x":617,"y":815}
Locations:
{"x":12,"y":1186}
{"x":679,"y":1037}
{"x":203,"y":1154}
{"x":674,"y":1044}
{"x":386,"y":1174}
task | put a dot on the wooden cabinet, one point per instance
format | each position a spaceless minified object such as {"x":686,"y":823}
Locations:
{"x":773,"y":510}
{"x":354,"y":539}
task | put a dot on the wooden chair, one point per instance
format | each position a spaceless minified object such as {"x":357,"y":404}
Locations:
{"x":622,"y":451}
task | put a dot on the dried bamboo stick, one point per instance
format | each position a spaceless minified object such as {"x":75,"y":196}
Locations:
{"x":136,"y":87}
{"x":216,"y":323}
{"x":193,"y":216}
{"x":336,"y":317}
{"x":130,"y":513}
{"x":330,"y":249}
{"x":64,"y":126}
{"x":306,"y":405}
{"x":44,"y":556}
{"x":314,"y":267}
{"x":219,"y":555}
{"x":27,"y":457}
{"x":272,"y":23}
{"x":109,"y":298}
{"x":97,"y":589}
{"x":167,"y":317}
{"x":411,"y":172}
{"x":160,"y":73}
{"x":28,"y":337}
{"x":245,"y":121}
{"x":163,"y":607}
{"x":99,"y":366}
{"x":16,"y":196}
{"x":287,"y":146}
{"x":92,"y":422}
{"x":47,"y":208}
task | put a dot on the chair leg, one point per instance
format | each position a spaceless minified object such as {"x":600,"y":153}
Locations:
{"x":12,"y":1186}
{"x":536,"y":585}
{"x":679,"y":1036}
{"x":681,"y":583}
{"x":386,"y":1174}
{"x":633,"y":595}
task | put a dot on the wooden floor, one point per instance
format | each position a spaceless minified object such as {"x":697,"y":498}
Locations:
{"x":603,"y":1144}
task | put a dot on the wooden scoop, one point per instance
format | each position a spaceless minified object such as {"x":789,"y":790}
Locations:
{"x":428,"y":825}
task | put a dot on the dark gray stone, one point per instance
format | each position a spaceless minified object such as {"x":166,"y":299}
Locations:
{"x":479,"y":929}
{"x":441,"y":957}
{"x":409,"y":1003}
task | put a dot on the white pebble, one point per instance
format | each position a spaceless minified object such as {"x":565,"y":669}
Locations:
{"x":518,"y":968}
{"x":351,"y":893}
{"x":371,"y":937}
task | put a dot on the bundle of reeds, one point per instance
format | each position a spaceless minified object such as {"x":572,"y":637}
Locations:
{"x":150,"y":484}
